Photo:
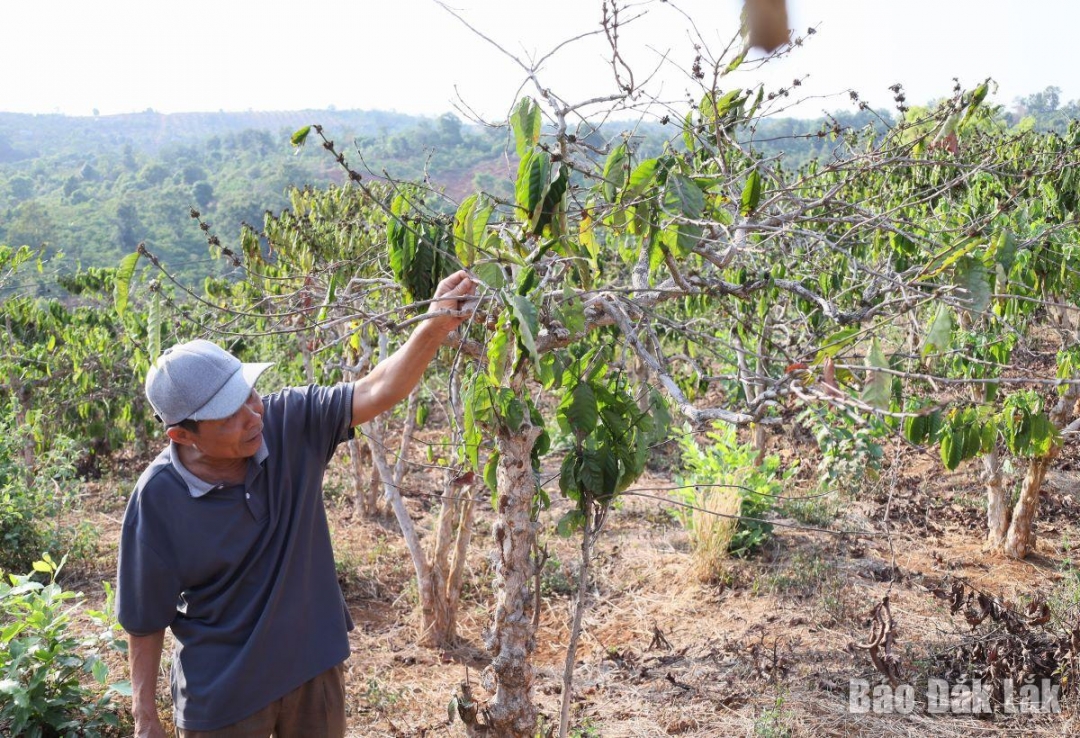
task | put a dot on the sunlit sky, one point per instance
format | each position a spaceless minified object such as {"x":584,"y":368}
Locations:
{"x":413,"y":56}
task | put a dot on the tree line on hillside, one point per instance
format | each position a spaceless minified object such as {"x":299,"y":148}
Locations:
{"x":93,"y":188}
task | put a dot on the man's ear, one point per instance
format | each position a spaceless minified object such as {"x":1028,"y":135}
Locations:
{"x":179,"y":435}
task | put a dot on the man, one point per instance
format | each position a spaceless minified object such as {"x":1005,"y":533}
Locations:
{"x":225,"y":539}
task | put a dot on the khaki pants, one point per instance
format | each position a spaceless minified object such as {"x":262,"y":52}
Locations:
{"x":315,"y":709}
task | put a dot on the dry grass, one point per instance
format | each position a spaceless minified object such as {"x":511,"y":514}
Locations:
{"x":711,"y":527}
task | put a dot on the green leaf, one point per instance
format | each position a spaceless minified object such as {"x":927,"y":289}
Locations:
{"x":534,"y":172}
{"x":42,"y":567}
{"x":915,"y":429}
{"x":571,"y":310}
{"x":328,"y":300}
{"x":615,"y":171}
{"x":591,"y":473}
{"x":977,"y":98}
{"x":451,"y":710}
{"x":491,"y":274}
{"x":939,"y":337}
{"x":570,"y":523}
{"x":988,"y":435}
{"x":1002,"y":251}
{"x":972,"y":440}
{"x":736,"y":62}
{"x":125,"y":272}
{"x":954,"y":253}
{"x":658,"y":416}
{"x":526,"y":280}
{"x":100,"y":670}
{"x":526,"y":121}
{"x":876,"y":390}
{"x":498,"y":354}
{"x":751,"y":194}
{"x":527,"y":322}
{"x":836,"y":343}
{"x":1043,"y":435}
{"x":683,"y":199}
{"x":514,"y":414}
{"x":300,"y":137}
{"x":581,"y":411}
{"x":970,"y":275}
{"x":552,"y":212}
{"x":715,"y":111}
{"x":952,"y":447}
{"x":689,"y":139}
{"x":568,"y":481}
{"x":641,"y":179}
{"x":491,"y":471}
{"x":470,"y":223}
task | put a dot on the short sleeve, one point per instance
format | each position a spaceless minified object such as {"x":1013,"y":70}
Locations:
{"x":147,"y":589}
{"x":327,"y":414}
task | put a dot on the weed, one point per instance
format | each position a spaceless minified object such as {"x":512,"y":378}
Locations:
{"x":381,"y":698}
{"x":850,"y":449}
{"x":799,"y":576}
{"x":771,"y":723}
{"x":555,"y":579}
{"x":1064,"y":599}
{"x":816,"y":511}
{"x":725,"y":479}
{"x":586,"y":730}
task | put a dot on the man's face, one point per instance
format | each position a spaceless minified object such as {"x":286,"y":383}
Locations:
{"x":235,"y":437}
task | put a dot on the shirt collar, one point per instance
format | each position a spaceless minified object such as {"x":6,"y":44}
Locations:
{"x":199,"y":487}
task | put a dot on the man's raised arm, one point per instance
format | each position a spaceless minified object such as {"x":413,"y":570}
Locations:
{"x":394,"y":378}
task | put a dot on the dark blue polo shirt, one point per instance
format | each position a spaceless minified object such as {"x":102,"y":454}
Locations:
{"x":243,"y":574}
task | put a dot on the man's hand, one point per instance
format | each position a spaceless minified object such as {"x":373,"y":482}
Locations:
{"x":393,"y":378}
{"x":451,"y":296}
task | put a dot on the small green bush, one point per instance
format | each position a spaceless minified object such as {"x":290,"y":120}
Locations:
{"x":726,"y":464}
{"x":53,"y":683}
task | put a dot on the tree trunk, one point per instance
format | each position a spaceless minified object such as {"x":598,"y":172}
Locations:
{"x":454,"y":526}
{"x":438,"y":577}
{"x":365,"y":479}
{"x":511,"y":713}
{"x":997,"y":503}
{"x":1021,"y":539}
{"x":365,"y":476}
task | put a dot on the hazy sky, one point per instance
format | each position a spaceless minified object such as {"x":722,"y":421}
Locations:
{"x":414,"y":57}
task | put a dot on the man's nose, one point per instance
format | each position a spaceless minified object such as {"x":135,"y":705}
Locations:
{"x":255,"y":405}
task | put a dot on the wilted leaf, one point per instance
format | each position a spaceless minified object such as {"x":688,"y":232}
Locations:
{"x":876,"y":390}
{"x":939,"y":337}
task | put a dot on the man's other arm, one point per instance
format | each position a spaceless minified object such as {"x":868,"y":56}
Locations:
{"x":394,"y":378}
{"x":144,"y":657}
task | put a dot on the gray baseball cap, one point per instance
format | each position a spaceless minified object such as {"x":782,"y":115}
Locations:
{"x":199,"y":380}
